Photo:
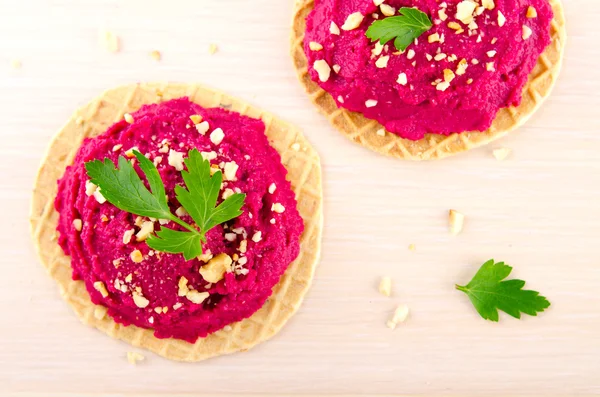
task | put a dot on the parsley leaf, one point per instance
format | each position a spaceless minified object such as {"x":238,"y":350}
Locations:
{"x":404,"y":28}
{"x":489,"y":292}
{"x":123,"y":188}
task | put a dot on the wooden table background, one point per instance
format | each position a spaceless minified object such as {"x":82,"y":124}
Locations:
{"x":539,"y":211}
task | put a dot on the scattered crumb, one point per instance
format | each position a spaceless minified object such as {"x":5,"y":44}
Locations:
{"x":380,"y":132}
{"x":128,"y":118}
{"x":501,"y":153}
{"x":110,"y":41}
{"x":156,"y":55}
{"x":385,"y":286}
{"x":134,"y":357}
{"x":412,"y":247}
{"x":16,"y":64}
{"x":400,"y":315}
{"x":213,"y":48}
{"x":456,"y":221}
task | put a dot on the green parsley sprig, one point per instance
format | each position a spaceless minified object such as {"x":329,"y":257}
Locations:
{"x":123,"y":188}
{"x":404,"y":28}
{"x":489,"y":292}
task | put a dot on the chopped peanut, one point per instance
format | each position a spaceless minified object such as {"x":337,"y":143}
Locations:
{"x":456,"y":221}
{"x":215,"y":269}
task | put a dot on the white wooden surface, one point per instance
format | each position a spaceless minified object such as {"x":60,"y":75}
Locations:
{"x":539,"y":211}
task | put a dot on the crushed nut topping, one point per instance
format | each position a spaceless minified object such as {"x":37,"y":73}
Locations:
{"x":501,"y":19}
{"x":489,"y":4}
{"x":136,"y":256}
{"x":278,"y":208}
{"x":197,"y":297}
{"x":128,"y":118}
{"x":217,"y":136}
{"x":100,"y":287}
{"x":402,"y":79}
{"x":215,"y":269}
{"x":230,"y":170}
{"x":272,"y":188}
{"x":353,"y":21}
{"x":527,"y":32}
{"x":257,"y":236}
{"x":387,"y":10}
{"x":145,"y":231}
{"x":314,"y":46}
{"x":127,"y":236}
{"x":370,"y":103}
{"x":323,"y":69}
{"x":382,"y":62}
{"x":77,"y":224}
{"x":139,"y":300}
{"x":202,"y":127}
{"x":176,"y":159}
{"x":531,"y":12}
{"x":182,"y":287}
{"x":334,"y":29}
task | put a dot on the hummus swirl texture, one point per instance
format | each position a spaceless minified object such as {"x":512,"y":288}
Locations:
{"x":163,"y":291}
{"x":453,"y":78}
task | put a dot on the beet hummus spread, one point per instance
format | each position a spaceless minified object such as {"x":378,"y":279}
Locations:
{"x":474,"y":60}
{"x":164,"y":292}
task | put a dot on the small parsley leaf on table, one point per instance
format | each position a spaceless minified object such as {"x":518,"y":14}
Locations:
{"x":490,"y":292}
{"x":123,"y":188}
{"x":403,"y":29}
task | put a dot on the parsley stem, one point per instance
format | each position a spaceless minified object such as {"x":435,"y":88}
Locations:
{"x":461,"y":288}
{"x":185,"y":225}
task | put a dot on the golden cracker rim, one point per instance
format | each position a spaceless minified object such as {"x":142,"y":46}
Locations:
{"x":304,"y":171}
{"x":364,"y":131}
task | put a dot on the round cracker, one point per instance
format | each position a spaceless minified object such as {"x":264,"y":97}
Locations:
{"x":363,"y":131}
{"x":304,"y":173}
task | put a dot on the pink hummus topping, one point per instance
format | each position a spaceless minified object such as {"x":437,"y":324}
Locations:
{"x":243,"y":259}
{"x":455,"y":77}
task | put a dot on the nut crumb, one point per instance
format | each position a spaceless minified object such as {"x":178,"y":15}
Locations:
{"x":456,"y":220}
{"x":531,"y":12}
{"x":278,"y":208}
{"x":380,"y":132}
{"x":212,"y":49}
{"x":139,"y":300}
{"x":100,"y":312}
{"x":134,"y":357}
{"x":136,"y":256}
{"x":16,"y":64}
{"x":323,"y":69}
{"x":412,"y":247}
{"x":110,"y":41}
{"x":314,"y":46}
{"x":77,"y":224}
{"x":400,"y":315}
{"x":385,"y":286}
{"x":501,"y":153}
{"x":334,"y":29}
{"x":100,"y":287}
{"x":215,"y":269}
{"x":156,"y":55}
{"x":353,"y":21}
{"x":217,"y":136}
{"x":197,"y":297}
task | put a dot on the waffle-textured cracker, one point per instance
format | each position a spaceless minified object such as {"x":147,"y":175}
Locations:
{"x":363,"y":131}
{"x":304,"y":173}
